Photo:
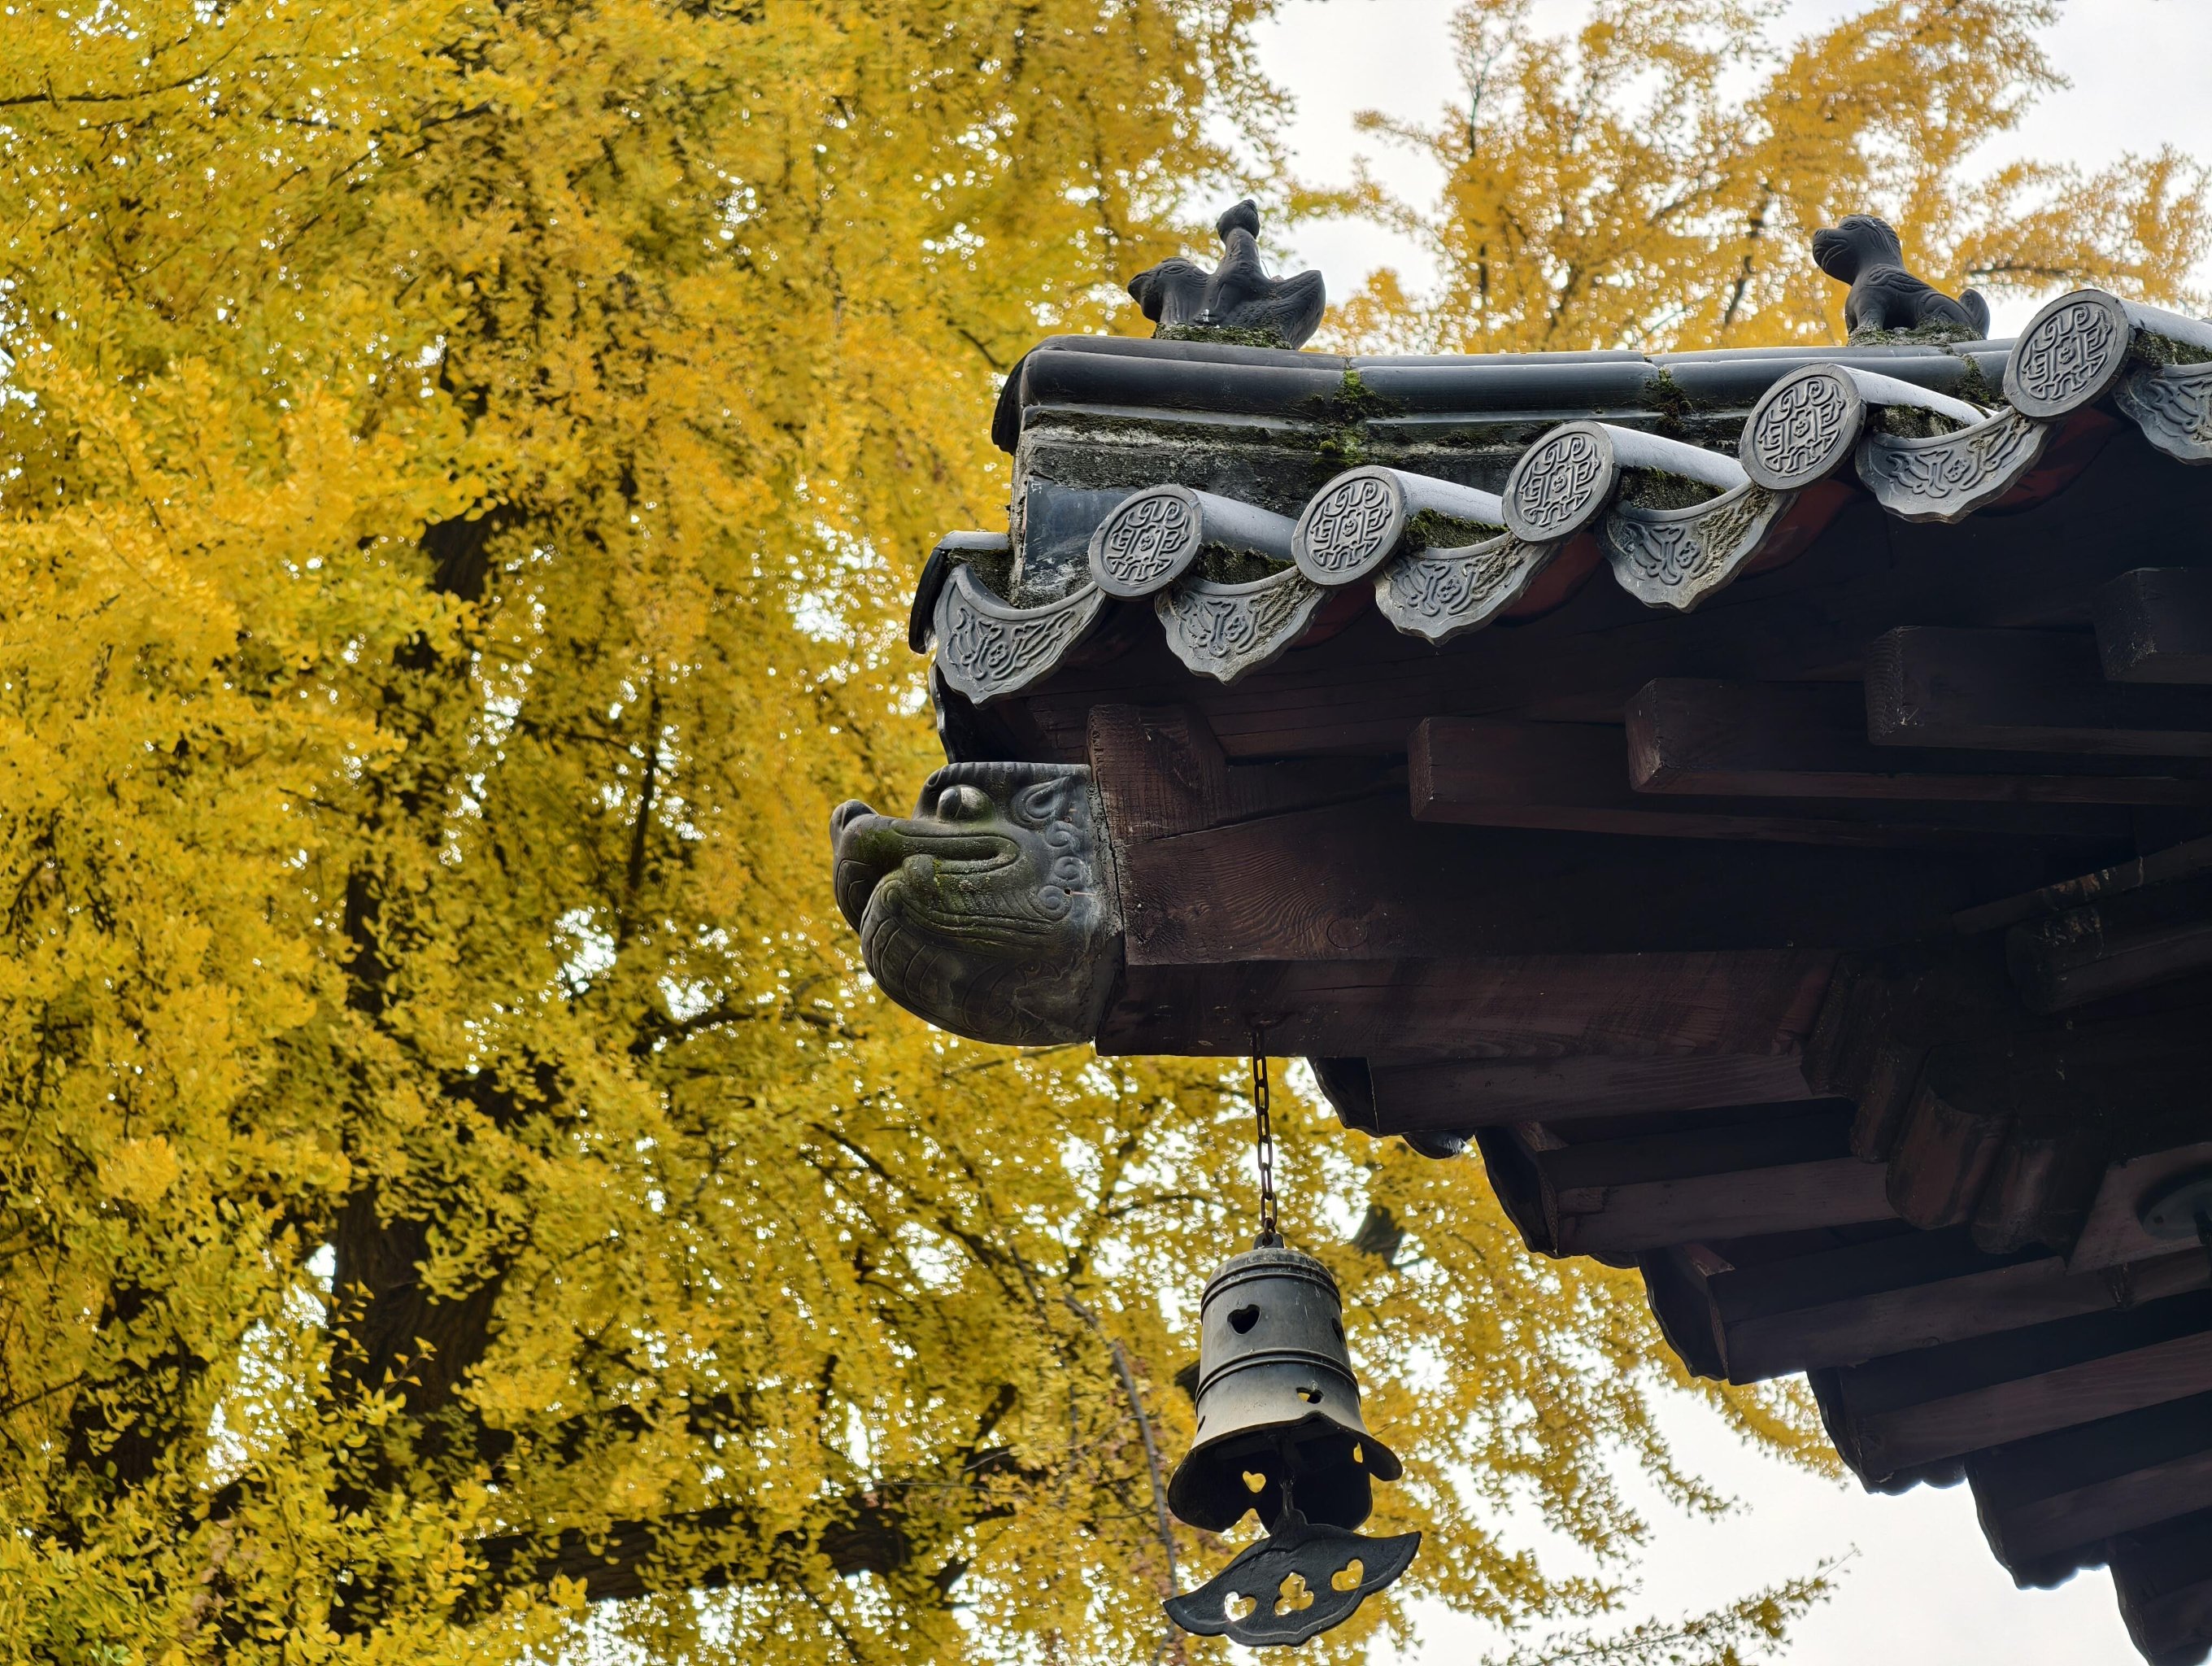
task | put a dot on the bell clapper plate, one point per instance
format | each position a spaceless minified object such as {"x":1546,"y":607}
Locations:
{"x":1302,"y":1580}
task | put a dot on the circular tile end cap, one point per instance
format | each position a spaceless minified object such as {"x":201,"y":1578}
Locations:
{"x":1803,"y":430}
{"x":1147,"y":541}
{"x":2070,"y":356}
{"x":1561,"y":485}
{"x":2173,"y":1210}
{"x":1351,"y":528}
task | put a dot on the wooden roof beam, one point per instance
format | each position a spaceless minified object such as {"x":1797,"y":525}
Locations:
{"x":1475,"y":1093}
{"x":2112,"y":947}
{"x":2154,"y":625}
{"x":2047,"y":1504}
{"x":1753,"y":1002}
{"x":1849,"y":1303}
{"x":2164,"y":1578}
{"x":1362,"y":880}
{"x":1809,"y":741}
{"x":1786,"y":1171}
{"x":2023,"y":691}
{"x":1898,"y":1413}
{"x":1574,"y":777}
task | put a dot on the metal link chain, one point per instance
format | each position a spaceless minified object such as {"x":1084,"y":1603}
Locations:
{"x":1263,"y":1140}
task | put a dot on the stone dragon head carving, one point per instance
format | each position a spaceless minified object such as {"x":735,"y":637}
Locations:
{"x":991,"y":911}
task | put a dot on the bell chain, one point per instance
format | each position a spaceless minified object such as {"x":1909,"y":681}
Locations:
{"x":1263,"y":1140}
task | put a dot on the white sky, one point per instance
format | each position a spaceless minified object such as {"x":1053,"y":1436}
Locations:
{"x":1920,"y":1585}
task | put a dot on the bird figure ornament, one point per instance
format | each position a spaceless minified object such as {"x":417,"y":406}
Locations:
{"x":1238,"y":296}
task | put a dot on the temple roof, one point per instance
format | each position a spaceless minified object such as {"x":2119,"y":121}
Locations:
{"x":1256,"y":500}
{"x":1760,"y":801}
{"x":1207,"y":378}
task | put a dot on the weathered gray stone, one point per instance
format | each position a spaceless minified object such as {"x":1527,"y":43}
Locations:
{"x":991,"y":911}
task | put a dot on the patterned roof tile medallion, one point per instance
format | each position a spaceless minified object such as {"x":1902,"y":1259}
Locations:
{"x":1363,"y":518}
{"x":991,"y":911}
{"x":2172,"y":405}
{"x":988,"y":647}
{"x":1677,"y":557}
{"x":1564,"y":483}
{"x":1146,"y":542}
{"x":1225,"y":631}
{"x":2070,"y":356}
{"x":1438,"y":594}
{"x":1806,"y":427}
{"x":1150,"y":539}
{"x":1560,"y":484}
{"x":2077,"y":349}
{"x":1948,"y":476}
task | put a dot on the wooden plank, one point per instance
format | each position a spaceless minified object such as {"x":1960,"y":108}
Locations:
{"x":2022,"y":692}
{"x":1805,"y":740}
{"x":1783,"y":1174}
{"x":1884,"y":1011}
{"x":2113,"y":946}
{"x":1758,"y":1001}
{"x":2154,"y":625}
{"x":1491,"y":772}
{"x":1674,"y":1284}
{"x":1161,"y":771}
{"x":1863,"y":1301}
{"x":2061,"y":1493}
{"x":1363,"y":881}
{"x":2178,"y":861}
{"x":1472,"y":1093}
{"x":1512,"y":1171}
{"x":1907,"y":1410}
{"x":2163,"y":1576}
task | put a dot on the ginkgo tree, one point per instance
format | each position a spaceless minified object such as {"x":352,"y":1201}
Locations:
{"x":1652,"y":178}
{"x":462,"y":466}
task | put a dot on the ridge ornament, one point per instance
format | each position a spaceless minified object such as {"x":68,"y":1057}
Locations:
{"x":1239,"y":295}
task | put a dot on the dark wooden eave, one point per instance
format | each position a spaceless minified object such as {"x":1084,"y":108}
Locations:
{"x":1831,"y":940}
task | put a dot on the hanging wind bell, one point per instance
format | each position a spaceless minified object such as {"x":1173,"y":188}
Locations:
{"x":1280,"y":1431}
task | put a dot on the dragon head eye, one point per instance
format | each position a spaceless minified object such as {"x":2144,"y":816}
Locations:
{"x":962,"y":803}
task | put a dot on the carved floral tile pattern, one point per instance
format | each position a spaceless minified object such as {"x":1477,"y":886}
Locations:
{"x":1552,"y":488}
{"x":1348,"y":523}
{"x":1797,"y":437}
{"x":987,"y":649}
{"x":2067,"y":354}
{"x":1224,"y":631}
{"x":1436,"y":595}
{"x":1147,"y":541}
{"x":2172,"y":405}
{"x":1950,"y":475}
{"x":1677,"y":557}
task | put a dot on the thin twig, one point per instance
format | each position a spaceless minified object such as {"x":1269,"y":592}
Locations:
{"x":1166,"y":1529}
